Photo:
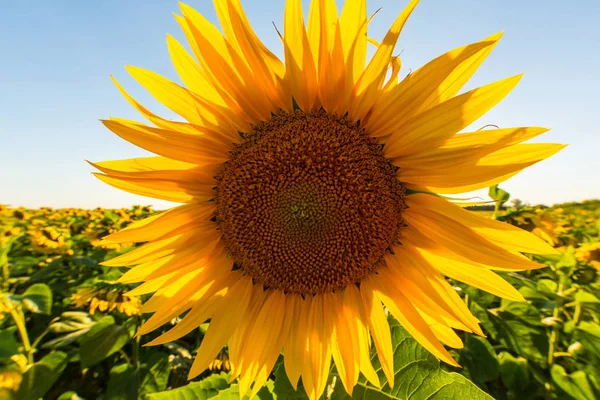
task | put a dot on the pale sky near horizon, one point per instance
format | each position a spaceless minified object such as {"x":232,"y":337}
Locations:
{"x":57,"y":56}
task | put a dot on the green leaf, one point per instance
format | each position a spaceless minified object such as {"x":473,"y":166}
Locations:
{"x":417,"y":376}
{"x":589,"y":334}
{"x":9,"y":345}
{"x":70,"y":395}
{"x":38,"y":298}
{"x":40,"y":377}
{"x":155,"y":373}
{"x":74,"y":323}
{"x":283,"y":387}
{"x":484,"y":317}
{"x":123,"y":383}
{"x":498,"y":194}
{"x":205,"y":389}
{"x":547,"y":286}
{"x":102,"y":340}
{"x":588,"y":300}
{"x":479,"y":357}
{"x":513,"y":371}
{"x":520,"y":330}
{"x":532,"y":294}
{"x":575,"y":385}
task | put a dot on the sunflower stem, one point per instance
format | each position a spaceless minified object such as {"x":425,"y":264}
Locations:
{"x":577,"y":313}
{"x":135,"y":356}
{"x":555,"y":314}
{"x":19,"y":319}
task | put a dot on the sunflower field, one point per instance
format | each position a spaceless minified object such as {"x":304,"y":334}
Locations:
{"x":67,"y":326}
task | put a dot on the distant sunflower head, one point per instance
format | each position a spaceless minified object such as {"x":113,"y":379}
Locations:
{"x":589,"y":253}
{"x":311,"y":194}
{"x":106,"y":297}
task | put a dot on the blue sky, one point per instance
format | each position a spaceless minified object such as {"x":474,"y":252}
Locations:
{"x":57,"y":56}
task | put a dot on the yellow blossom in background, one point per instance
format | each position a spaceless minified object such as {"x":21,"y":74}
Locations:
{"x":10,"y":380}
{"x":4,"y":308}
{"x":106,"y":298}
{"x":221,"y":363}
{"x":589,"y":253}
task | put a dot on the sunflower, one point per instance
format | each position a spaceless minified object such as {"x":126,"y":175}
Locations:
{"x":104,"y":296}
{"x":589,"y":253}
{"x":311,"y":191}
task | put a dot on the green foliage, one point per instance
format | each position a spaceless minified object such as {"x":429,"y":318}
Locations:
{"x":63,"y":344}
{"x":102,"y":340}
{"x":214,"y":386}
{"x":417,"y":375}
{"x":38,"y":299}
{"x":40,"y":376}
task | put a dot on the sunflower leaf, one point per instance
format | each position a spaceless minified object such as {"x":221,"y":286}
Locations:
{"x":38,"y":299}
{"x":418,"y":376}
{"x":215,"y":386}
{"x":40,"y":376}
{"x":575,"y":385}
{"x":102,"y":340}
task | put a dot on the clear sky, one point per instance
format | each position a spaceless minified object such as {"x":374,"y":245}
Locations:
{"x":56,"y":57}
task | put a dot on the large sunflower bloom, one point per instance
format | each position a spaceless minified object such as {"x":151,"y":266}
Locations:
{"x":309,"y":188}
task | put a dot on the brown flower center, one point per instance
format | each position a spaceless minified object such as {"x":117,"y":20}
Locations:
{"x":308,"y":203}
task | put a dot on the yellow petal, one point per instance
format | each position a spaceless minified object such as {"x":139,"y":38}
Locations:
{"x":301,"y":73}
{"x":411,"y":320}
{"x":435,"y":125}
{"x":478,"y":277}
{"x":214,"y":124}
{"x":404,"y":274}
{"x":151,"y":251}
{"x":164,"y":189}
{"x":489,"y":170}
{"x":188,"y":215}
{"x":173,"y":96}
{"x":344,"y":344}
{"x":402,"y":101}
{"x":226,"y":67}
{"x":442,"y":332}
{"x":466,"y":146}
{"x":354,"y":309}
{"x":353,"y":27}
{"x":370,"y":82}
{"x":171,"y":144}
{"x":218,"y":108}
{"x":502,"y":234}
{"x":223,"y":324}
{"x":457,"y":79}
{"x":177,"y":303}
{"x":379,"y":327}
{"x":200,"y":312}
{"x":292,"y":348}
{"x":451,"y":234}
{"x":259,"y":58}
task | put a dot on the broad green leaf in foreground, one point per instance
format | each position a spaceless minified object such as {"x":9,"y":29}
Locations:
{"x":8,"y":342}
{"x":123,"y":382}
{"x":575,"y":385}
{"x":418,"y":376}
{"x":40,"y":377}
{"x":589,"y":334}
{"x":205,"y":389}
{"x":102,"y":340}
{"x":513,"y":371}
{"x":38,"y":299}
{"x":479,"y":357}
{"x":155,"y":373}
